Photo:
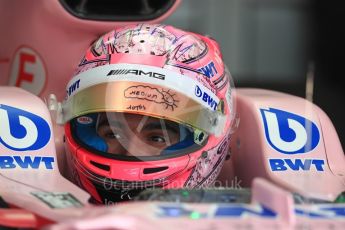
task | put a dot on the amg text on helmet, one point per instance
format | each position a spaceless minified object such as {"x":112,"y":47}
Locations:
{"x":136,"y":72}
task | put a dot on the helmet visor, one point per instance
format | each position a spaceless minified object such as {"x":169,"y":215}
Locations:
{"x":147,"y":99}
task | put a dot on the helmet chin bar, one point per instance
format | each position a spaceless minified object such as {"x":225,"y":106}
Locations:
{"x":110,"y":191}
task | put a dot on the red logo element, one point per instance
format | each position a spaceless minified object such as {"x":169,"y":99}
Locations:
{"x":28,"y":70}
{"x":85,"y":120}
{"x":22,"y":75}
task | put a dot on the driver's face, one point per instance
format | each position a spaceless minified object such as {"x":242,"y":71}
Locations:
{"x":136,"y":135}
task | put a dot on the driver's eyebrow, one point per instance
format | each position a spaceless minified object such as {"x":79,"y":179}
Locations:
{"x":112,"y":123}
{"x":157,"y":125}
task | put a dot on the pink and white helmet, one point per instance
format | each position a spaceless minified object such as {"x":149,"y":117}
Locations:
{"x":148,"y":106}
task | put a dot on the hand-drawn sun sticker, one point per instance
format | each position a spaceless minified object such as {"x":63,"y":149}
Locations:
{"x":155,"y":95}
{"x":169,"y":100}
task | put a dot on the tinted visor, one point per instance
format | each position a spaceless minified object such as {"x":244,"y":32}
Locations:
{"x":125,"y":134}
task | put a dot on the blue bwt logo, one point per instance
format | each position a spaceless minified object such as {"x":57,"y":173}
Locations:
{"x":289,"y":133}
{"x":209,"y":70}
{"x":211,"y":102}
{"x":21,"y":130}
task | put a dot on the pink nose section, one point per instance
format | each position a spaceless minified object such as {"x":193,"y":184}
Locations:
{"x":55,"y":40}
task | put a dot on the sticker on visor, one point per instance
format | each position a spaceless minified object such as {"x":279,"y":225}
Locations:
{"x":85,"y":120}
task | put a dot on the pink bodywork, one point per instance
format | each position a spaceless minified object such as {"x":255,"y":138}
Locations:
{"x":44,"y":44}
{"x":18,"y":186}
{"x":53,"y":45}
{"x":251,"y":150}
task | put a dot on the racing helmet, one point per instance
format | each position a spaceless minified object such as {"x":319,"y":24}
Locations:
{"x":149,"y":106}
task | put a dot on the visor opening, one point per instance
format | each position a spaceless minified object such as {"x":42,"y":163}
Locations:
{"x":100,"y":166}
{"x":155,"y":170}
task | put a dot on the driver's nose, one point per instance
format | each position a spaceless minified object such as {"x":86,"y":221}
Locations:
{"x":133,"y":146}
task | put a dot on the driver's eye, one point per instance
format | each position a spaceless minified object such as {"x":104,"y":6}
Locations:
{"x":157,"y":138}
{"x":111,"y":135}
